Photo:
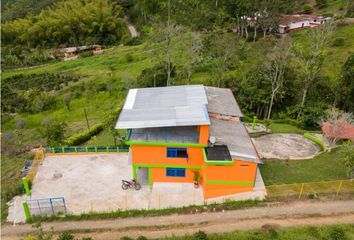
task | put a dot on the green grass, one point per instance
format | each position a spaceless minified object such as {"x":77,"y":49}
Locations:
{"x":228,"y":205}
{"x":325,"y":167}
{"x":11,"y":186}
{"x":105,"y":138}
{"x":333,"y":232}
{"x":285,"y":128}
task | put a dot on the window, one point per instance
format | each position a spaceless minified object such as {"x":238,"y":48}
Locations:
{"x":175,"y":172}
{"x":177,"y":153}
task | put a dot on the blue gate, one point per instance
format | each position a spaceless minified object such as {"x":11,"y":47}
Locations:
{"x":47,"y":206}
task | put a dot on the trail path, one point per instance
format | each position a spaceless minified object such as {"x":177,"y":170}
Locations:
{"x":282,"y":214}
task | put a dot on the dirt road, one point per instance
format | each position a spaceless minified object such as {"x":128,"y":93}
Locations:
{"x":284,"y":214}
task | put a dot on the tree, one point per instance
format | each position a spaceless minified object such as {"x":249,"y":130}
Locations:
{"x":337,"y":125}
{"x":192,"y":53}
{"x":54,"y":133}
{"x":345,"y":90}
{"x":310,"y":58}
{"x":275,"y":66}
{"x":268,"y":15}
{"x":347,"y":151}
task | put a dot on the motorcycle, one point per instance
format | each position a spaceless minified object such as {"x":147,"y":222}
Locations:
{"x":130,"y":184}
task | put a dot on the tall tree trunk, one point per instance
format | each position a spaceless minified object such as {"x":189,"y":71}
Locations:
{"x":270,"y":105}
{"x":302,"y":102}
{"x":264,"y":32}
{"x":255,"y":33}
{"x":246,"y":31}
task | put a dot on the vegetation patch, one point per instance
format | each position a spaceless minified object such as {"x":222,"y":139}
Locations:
{"x":228,"y":205}
{"x":324,"y":167}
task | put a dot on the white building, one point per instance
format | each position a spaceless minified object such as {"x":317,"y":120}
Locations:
{"x":289,"y":23}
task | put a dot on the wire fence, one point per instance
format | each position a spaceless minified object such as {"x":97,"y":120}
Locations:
{"x":311,"y":189}
{"x":84,"y":149}
{"x":47,"y":206}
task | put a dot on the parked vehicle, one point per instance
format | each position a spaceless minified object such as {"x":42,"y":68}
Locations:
{"x":130,"y":184}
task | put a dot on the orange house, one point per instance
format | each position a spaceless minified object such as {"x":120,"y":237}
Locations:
{"x":176,"y":132}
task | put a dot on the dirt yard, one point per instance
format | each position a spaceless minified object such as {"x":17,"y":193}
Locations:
{"x":286,"y":146}
{"x":92,"y":183}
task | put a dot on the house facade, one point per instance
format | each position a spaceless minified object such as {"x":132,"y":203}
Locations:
{"x":180,"y":132}
{"x":289,"y":23}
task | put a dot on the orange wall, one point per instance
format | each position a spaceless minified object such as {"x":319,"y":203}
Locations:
{"x":246,"y":172}
{"x":240,"y":171}
{"x":159,"y":175}
{"x":157,"y":155}
{"x":203,"y":134}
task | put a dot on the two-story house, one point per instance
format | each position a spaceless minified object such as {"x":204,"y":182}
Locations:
{"x":175,"y":131}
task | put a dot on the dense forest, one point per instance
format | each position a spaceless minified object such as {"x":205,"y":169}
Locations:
{"x":294,"y":77}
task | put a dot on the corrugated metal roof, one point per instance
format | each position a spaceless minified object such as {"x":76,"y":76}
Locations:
{"x":234,"y":135}
{"x":222,"y":101}
{"x":164,"y":107}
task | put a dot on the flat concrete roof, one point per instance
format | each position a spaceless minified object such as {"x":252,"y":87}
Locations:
{"x":164,"y":107}
{"x":234,"y":135}
{"x":222,"y":101}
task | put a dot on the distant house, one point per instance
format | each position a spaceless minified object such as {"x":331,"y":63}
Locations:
{"x":71,"y":53}
{"x":289,"y":23}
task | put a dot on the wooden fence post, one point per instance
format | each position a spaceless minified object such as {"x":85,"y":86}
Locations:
{"x":339,"y":187}
{"x":301,"y":190}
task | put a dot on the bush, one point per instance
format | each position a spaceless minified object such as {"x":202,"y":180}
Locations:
{"x":86,"y":54}
{"x":155,"y":76}
{"x":338,"y":42}
{"x":142,"y":238}
{"x":200,"y":235}
{"x":66,"y":236}
{"x":321,"y":3}
{"x":126,"y":238}
{"x":307,"y":8}
{"x":337,"y":234}
{"x":129,"y":57}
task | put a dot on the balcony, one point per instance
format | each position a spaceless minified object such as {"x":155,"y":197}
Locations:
{"x":188,"y":134}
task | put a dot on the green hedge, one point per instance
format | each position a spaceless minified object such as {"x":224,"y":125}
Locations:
{"x":83,"y":137}
{"x":316,"y":140}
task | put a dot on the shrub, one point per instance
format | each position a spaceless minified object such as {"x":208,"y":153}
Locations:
{"x":337,"y":234}
{"x":338,"y":42}
{"x":307,"y":8}
{"x":154,"y":77}
{"x":66,"y":236}
{"x":129,"y":57}
{"x":321,"y":3}
{"x":126,"y":238}
{"x":312,"y":196}
{"x":142,"y":238}
{"x":86,"y":54}
{"x":200,"y":235}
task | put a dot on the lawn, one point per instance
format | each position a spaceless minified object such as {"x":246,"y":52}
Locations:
{"x":327,"y":166}
{"x":11,"y":166}
{"x":285,"y":128}
{"x":340,"y":232}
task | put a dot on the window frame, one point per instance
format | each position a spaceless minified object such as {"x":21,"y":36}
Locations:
{"x":175,"y":151}
{"x":176,"y":172}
